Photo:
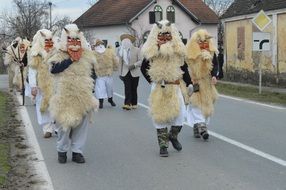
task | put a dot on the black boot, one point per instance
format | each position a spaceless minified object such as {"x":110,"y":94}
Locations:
{"x":100,"y":103}
{"x":162,"y":135}
{"x":78,"y":158}
{"x":173,"y":137}
{"x":62,"y":157}
{"x":196,"y":131}
{"x":110,"y":100}
{"x":203,"y":131}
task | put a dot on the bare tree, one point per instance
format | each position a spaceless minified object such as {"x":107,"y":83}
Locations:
{"x":92,"y":2}
{"x":219,"y":7}
{"x":29,"y":17}
{"x":59,"y":24}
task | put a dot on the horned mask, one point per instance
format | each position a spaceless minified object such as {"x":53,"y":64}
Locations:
{"x":201,"y":41}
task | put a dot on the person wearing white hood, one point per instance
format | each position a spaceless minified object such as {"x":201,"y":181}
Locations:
{"x":40,"y":80}
{"x":107,"y":63}
{"x":130,"y":59}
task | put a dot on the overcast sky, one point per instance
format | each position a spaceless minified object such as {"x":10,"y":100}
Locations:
{"x":60,"y":8}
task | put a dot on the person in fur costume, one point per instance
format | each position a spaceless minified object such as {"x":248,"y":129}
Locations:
{"x":16,"y":60}
{"x":73,"y":104}
{"x":107,"y":63}
{"x":40,"y":79}
{"x":164,"y":67}
{"x":203,"y":67}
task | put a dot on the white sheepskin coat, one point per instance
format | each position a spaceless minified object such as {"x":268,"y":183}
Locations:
{"x":165,"y":63}
{"x":72,"y":98}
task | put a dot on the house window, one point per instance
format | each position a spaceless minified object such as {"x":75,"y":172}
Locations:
{"x":181,"y":35}
{"x":151,"y":17}
{"x":145,"y":36}
{"x":184,"y":40}
{"x":158,"y":13}
{"x":171,"y":14}
{"x":105,"y":42}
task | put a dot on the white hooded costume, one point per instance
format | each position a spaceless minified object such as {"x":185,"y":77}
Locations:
{"x":40,"y":77}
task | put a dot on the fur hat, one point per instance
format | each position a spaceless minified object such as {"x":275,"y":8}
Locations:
{"x":193,"y":48}
{"x":26,"y":43}
{"x":129,"y":36}
{"x":150,"y":47}
{"x":38,"y":44}
{"x":98,"y":42}
{"x":71,"y":30}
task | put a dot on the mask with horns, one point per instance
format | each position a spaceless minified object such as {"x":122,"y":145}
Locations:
{"x":72,"y":39}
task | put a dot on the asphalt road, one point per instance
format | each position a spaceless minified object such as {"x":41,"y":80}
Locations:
{"x":247,"y":151}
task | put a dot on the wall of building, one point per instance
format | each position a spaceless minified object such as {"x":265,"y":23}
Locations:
{"x":281,"y":43}
{"x":141,"y":24}
{"x":110,"y":33}
{"x":242,"y":64}
{"x":182,"y":21}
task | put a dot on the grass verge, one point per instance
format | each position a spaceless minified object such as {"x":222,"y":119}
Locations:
{"x":251,"y":93}
{"x":4,"y":145}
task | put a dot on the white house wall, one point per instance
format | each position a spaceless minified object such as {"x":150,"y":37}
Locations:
{"x":182,"y":20}
{"x":110,"y":33}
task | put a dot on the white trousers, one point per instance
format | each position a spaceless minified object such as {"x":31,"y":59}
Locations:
{"x":195,"y":115}
{"x":104,"y":87}
{"x":73,"y":137}
{"x":44,"y":118}
{"x":179,"y":120}
{"x":28,"y":90}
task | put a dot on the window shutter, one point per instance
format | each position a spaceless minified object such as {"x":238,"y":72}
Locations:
{"x":151,"y":17}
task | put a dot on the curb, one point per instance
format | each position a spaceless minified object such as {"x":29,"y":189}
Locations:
{"x":39,"y":164}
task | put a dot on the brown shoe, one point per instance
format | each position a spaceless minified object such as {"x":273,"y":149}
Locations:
{"x":126,"y":107}
{"x":134,"y":107}
{"x":47,"y":135}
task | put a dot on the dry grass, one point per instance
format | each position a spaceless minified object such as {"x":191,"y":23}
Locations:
{"x":251,"y":93}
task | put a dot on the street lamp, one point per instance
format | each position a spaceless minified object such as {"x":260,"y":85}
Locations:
{"x":50,"y":4}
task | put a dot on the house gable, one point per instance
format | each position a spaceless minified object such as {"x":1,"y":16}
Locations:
{"x":111,"y":12}
{"x":245,"y":7}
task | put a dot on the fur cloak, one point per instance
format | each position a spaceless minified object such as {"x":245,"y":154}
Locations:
{"x":13,"y":67}
{"x":73,"y":98}
{"x":200,"y":66}
{"x":165,"y":63}
{"x":38,"y":61}
{"x":107,"y":63}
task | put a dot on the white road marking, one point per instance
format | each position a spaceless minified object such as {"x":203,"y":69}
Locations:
{"x":40,"y":164}
{"x":252,"y":102}
{"x":121,"y":96}
{"x":233,"y":142}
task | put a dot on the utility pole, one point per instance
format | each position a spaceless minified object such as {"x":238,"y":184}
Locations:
{"x":50,"y":4}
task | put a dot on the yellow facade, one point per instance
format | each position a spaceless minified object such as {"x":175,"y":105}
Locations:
{"x":244,"y":58}
{"x":281,"y":41}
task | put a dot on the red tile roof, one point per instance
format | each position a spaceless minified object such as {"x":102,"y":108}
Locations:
{"x":117,"y":12}
{"x":199,"y":9}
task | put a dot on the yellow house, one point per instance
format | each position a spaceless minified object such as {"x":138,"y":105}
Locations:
{"x":241,"y":62}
